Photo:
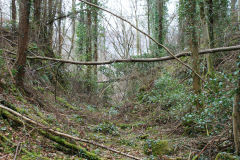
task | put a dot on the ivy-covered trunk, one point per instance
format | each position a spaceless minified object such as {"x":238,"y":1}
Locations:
{"x":193,"y":42}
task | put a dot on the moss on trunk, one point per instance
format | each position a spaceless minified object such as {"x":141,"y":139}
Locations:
{"x":80,"y":151}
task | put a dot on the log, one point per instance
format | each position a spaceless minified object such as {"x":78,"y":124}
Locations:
{"x":82,"y":152}
{"x":60,"y":134}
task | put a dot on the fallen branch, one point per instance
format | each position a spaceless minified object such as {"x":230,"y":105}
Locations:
{"x":82,"y":152}
{"x":209,"y":143}
{"x":57,"y":133}
{"x":16,"y":152}
{"x":135,"y":60}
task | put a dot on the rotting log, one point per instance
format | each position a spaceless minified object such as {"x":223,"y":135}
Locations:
{"x":80,"y":151}
{"x":10,"y":112}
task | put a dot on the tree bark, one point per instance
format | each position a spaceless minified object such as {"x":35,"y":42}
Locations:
{"x":14,"y":15}
{"x":138,"y":40}
{"x":89,"y":48}
{"x":236,"y":120}
{"x":210,"y":22}
{"x":194,"y":49}
{"x":238,"y":14}
{"x":181,"y":39}
{"x":95,"y":17}
{"x":148,"y":19}
{"x":73,"y":28}
{"x":236,"y":106}
{"x":60,"y":28}
{"x":233,"y":11}
{"x":36,"y":19}
{"x":160,"y":22}
{"x":206,"y":37}
{"x":22,"y":41}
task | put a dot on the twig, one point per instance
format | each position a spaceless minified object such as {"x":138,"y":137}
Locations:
{"x":16,"y":153}
{"x":3,"y":156}
{"x":64,"y":134}
{"x":209,"y":143}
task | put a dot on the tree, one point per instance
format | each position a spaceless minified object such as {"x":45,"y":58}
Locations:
{"x":89,"y":47}
{"x":60,"y":27}
{"x":148,"y":20}
{"x":160,"y":4}
{"x":233,"y":10}
{"x":207,"y":23}
{"x":14,"y":15}
{"x":36,"y":18}
{"x":138,"y":40}
{"x":210,"y":20}
{"x":95,"y":19}
{"x":236,"y":106}
{"x":181,"y":26}
{"x":191,"y":15}
{"x":73,"y":28}
{"x":156,"y":21}
{"x":24,"y":11}
{"x":236,"y":116}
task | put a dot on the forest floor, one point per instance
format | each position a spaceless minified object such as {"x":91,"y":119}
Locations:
{"x":126,"y":131}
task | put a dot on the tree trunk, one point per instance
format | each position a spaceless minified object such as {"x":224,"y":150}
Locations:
{"x":160,"y":22}
{"x":1,"y":16}
{"x":181,"y":38}
{"x":148,"y":21}
{"x":14,"y":15}
{"x":73,"y":28}
{"x":36,"y":19}
{"x":194,"y":49}
{"x":238,"y":14}
{"x":89,"y":48}
{"x":60,"y":28}
{"x":95,"y":38}
{"x":233,"y":11}
{"x":138,"y":41}
{"x":210,"y":22}
{"x":22,"y":41}
{"x":46,"y":32}
{"x":206,"y":36}
{"x":51,"y":15}
{"x":236,"y":106}
{"x":236,"y":121}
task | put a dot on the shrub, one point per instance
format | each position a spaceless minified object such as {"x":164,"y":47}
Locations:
{"x":226,"y":156}
{"x":156,"y":147}
{"x":107,"y":128}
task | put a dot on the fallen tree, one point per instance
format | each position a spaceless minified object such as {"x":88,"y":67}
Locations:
{"x":135,"y":60}
{"x":57,"y":136}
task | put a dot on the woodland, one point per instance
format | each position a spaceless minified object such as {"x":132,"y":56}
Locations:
{"x":120,"y":79}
